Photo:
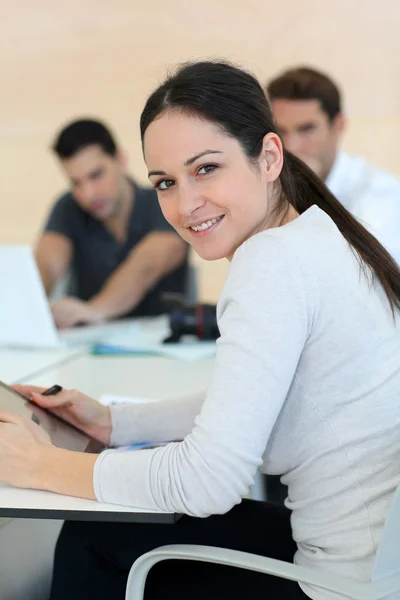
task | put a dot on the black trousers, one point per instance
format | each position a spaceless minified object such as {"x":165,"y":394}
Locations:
{"x":93,"y":560}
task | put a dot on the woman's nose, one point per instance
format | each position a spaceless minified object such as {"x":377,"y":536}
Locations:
{"x":189,"y":200}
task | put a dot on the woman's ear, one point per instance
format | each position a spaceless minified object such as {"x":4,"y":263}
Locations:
{"x":272,"y":156}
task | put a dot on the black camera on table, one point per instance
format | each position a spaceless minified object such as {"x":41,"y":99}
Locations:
{"x":198,"y":320}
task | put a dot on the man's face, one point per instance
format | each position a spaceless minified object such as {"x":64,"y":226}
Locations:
{"x":96,"y":180}
{"x":308,"y":133}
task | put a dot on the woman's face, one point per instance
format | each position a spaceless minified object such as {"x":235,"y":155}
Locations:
{"x":207,"y":188}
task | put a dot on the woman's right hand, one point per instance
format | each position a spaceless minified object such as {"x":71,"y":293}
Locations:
{"x":71,"y":405}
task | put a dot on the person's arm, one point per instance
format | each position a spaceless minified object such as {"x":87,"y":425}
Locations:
{"x":69,"y":473}
{"x":28,"y":459}
{"x":54,"y":250}
{"x":154,"y":257}
{"x":53,"y":256}
{"x":157,"y":255}
{"x":162,"y":421}
{"x":265,"y":317}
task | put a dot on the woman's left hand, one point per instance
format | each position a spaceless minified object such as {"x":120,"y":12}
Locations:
{"x":21,"y":446}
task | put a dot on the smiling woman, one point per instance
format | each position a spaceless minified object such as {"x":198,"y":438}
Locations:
{"x":207,"y":188}
{"x":306,"y":380}
{"x":212,"y":108}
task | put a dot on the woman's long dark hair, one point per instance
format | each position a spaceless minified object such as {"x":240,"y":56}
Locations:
{"x":235,"y":101}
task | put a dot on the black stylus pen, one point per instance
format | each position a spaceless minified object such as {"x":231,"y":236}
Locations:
{"x":52,"y":391}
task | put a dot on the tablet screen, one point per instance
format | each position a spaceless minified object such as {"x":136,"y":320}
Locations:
{"x":62,"y":434}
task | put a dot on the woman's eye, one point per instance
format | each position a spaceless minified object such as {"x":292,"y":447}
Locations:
{"x":206,"y":169}
{"x":164,"y":184}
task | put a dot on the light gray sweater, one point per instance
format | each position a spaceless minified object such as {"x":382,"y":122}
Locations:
{"x":306,"y":384}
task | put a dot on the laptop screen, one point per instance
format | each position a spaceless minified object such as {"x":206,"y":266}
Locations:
{"x":25,"y":316}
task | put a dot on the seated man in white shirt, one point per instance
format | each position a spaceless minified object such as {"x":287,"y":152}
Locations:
{"x":307,"y":110}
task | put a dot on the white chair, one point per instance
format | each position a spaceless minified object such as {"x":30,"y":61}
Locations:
{"x":384,"y":584}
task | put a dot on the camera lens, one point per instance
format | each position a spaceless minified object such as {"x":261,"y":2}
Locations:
{"x":200,"y":321}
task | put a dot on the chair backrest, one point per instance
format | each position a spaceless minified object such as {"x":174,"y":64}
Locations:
{"x":387,"y":561}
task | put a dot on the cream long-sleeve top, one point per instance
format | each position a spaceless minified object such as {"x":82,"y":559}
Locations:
{"x":306,"y":384}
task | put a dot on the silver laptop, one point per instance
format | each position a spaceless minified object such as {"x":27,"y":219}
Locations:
{"x":25,"y":316}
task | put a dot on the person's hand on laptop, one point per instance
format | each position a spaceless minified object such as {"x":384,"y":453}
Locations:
{"x":75,"y":407}
{"x":71,"y":311}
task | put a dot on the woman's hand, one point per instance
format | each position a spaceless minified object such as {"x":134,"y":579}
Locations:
{"x":82,"y":411}
{"x":21,"y":445}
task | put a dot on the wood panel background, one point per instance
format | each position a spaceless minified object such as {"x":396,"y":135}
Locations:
{"x":62,"y":60}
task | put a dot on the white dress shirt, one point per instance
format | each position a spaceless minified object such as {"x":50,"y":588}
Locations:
{"x":371,"y":195}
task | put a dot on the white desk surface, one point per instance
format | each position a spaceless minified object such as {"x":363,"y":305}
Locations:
{"x":18,"y":365}
{"x":144,"y":376}
{"x":39,"y":504}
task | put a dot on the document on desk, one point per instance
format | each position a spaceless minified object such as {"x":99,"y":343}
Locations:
{"x":148,"y":339}
{"x":38,"y":504}
{"x":152,"y":343}
{"x":110,"y":399}
{"x":99,"y":333}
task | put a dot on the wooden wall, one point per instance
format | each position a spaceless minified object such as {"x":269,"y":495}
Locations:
{"x":61,"y":60}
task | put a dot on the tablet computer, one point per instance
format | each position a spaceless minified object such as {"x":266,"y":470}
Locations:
{"x":62,"y":434}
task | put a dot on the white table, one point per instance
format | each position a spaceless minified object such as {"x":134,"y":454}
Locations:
{"x":144,"y":376}
{"x":39,"y":504}
{"x":26,"y":545}
{"x":19,"y":365}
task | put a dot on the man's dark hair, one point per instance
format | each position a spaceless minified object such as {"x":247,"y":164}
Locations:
{"x":83,"y":133}
{"x":304,"y":83}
